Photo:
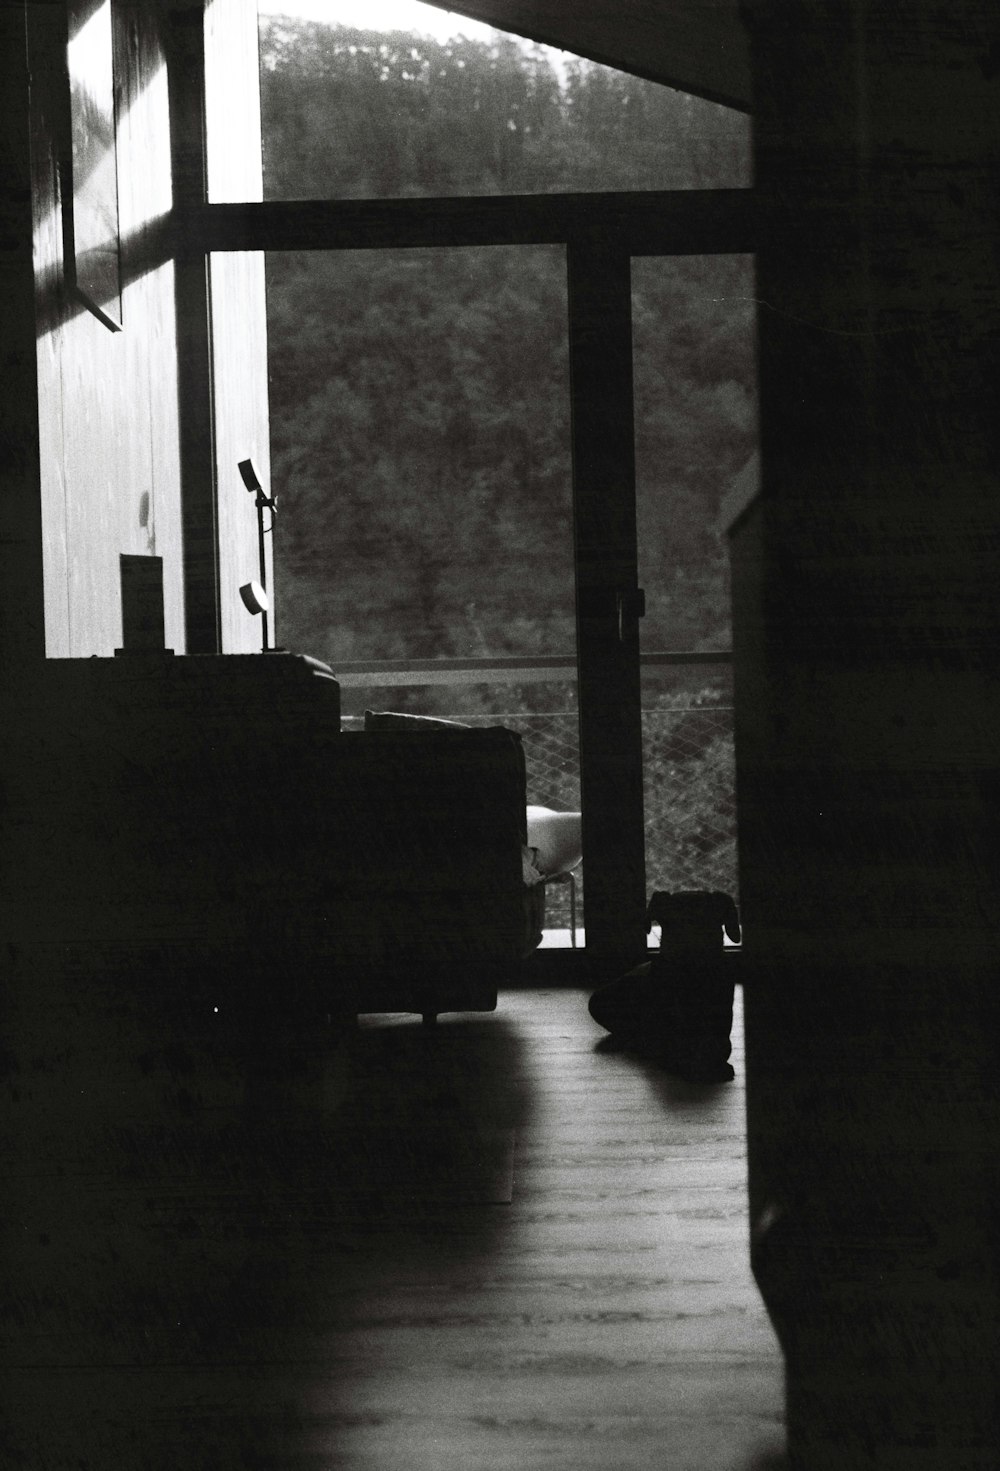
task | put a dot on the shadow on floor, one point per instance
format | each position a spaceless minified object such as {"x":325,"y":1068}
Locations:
{"x":187,"y":1232}
{"x":669,"y":1088}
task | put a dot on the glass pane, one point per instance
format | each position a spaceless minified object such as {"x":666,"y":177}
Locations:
{"x":696,"y":426}
{"x":355,"y":106}
{"x":421,"y":460}
{"x":689,"y":780}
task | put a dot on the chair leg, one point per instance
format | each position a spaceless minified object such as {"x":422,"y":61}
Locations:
{"x":572,"y":910}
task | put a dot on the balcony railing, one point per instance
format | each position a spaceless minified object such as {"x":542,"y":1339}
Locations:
{"x":508,"y":669}
{"x":688,"y":762}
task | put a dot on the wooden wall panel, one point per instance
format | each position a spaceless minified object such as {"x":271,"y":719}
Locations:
{"x":239,"y":321}
{"x":22,"y":614}
{"x":145,"y":197}
{"x":52,"y":567}
{"x":107,"y":400}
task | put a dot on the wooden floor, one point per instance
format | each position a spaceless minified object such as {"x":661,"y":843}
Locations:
{"x":495,"y":1243}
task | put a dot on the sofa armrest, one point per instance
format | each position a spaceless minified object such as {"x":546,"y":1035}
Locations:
{"x":414,"y":847}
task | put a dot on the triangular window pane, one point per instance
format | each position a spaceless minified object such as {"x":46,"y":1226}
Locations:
{"x":422,"y":108}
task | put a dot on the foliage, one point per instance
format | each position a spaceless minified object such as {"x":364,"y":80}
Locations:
{"x":413,"y":449}
{"x":420,"y":414}
{"x":353,"y":113}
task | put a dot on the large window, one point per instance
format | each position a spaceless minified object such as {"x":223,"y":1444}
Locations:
{"x":448,"y":419}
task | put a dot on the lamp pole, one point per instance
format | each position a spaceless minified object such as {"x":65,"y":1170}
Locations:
{"x":262,"y":502}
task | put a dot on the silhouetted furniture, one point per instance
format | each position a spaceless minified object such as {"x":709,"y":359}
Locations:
{"x":205,"y":817}
{"x":553,"y":845}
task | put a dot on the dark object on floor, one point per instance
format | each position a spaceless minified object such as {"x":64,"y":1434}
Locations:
{"x":678,"y":1007}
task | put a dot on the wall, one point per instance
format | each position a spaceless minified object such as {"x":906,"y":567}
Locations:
{"x":22,"y":622}
{"x":107,"y":401}
{"x":865,"y":629}
{"x":106,"y":459}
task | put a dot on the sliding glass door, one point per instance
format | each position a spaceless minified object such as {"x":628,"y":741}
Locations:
{"x":696,"y":438}
{"x":455,"y":435}
{"x":421,"y":451}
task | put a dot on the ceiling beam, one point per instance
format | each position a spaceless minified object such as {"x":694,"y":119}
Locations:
{"x":697,"y":46}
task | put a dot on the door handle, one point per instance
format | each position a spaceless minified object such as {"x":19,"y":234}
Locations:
{"x":631,"y":603}
{"x":619,"y":603}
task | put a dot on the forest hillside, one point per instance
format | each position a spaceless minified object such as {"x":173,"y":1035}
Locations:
{"x":419,"y":399}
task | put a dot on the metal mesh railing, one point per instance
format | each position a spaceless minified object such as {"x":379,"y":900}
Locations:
{"x":689,"y":780}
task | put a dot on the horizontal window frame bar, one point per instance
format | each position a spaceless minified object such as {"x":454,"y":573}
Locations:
{"x":507,"y":669}
{"x":644,"y":222}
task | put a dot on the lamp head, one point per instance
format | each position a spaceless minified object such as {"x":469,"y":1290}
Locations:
{"x":249,"y":475}
{"x":254,"y":597}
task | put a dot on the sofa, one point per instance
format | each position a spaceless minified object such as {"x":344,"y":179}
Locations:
{"x":206,"y":819}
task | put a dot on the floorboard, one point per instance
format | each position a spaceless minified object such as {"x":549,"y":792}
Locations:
{"x":319,"y":1271}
